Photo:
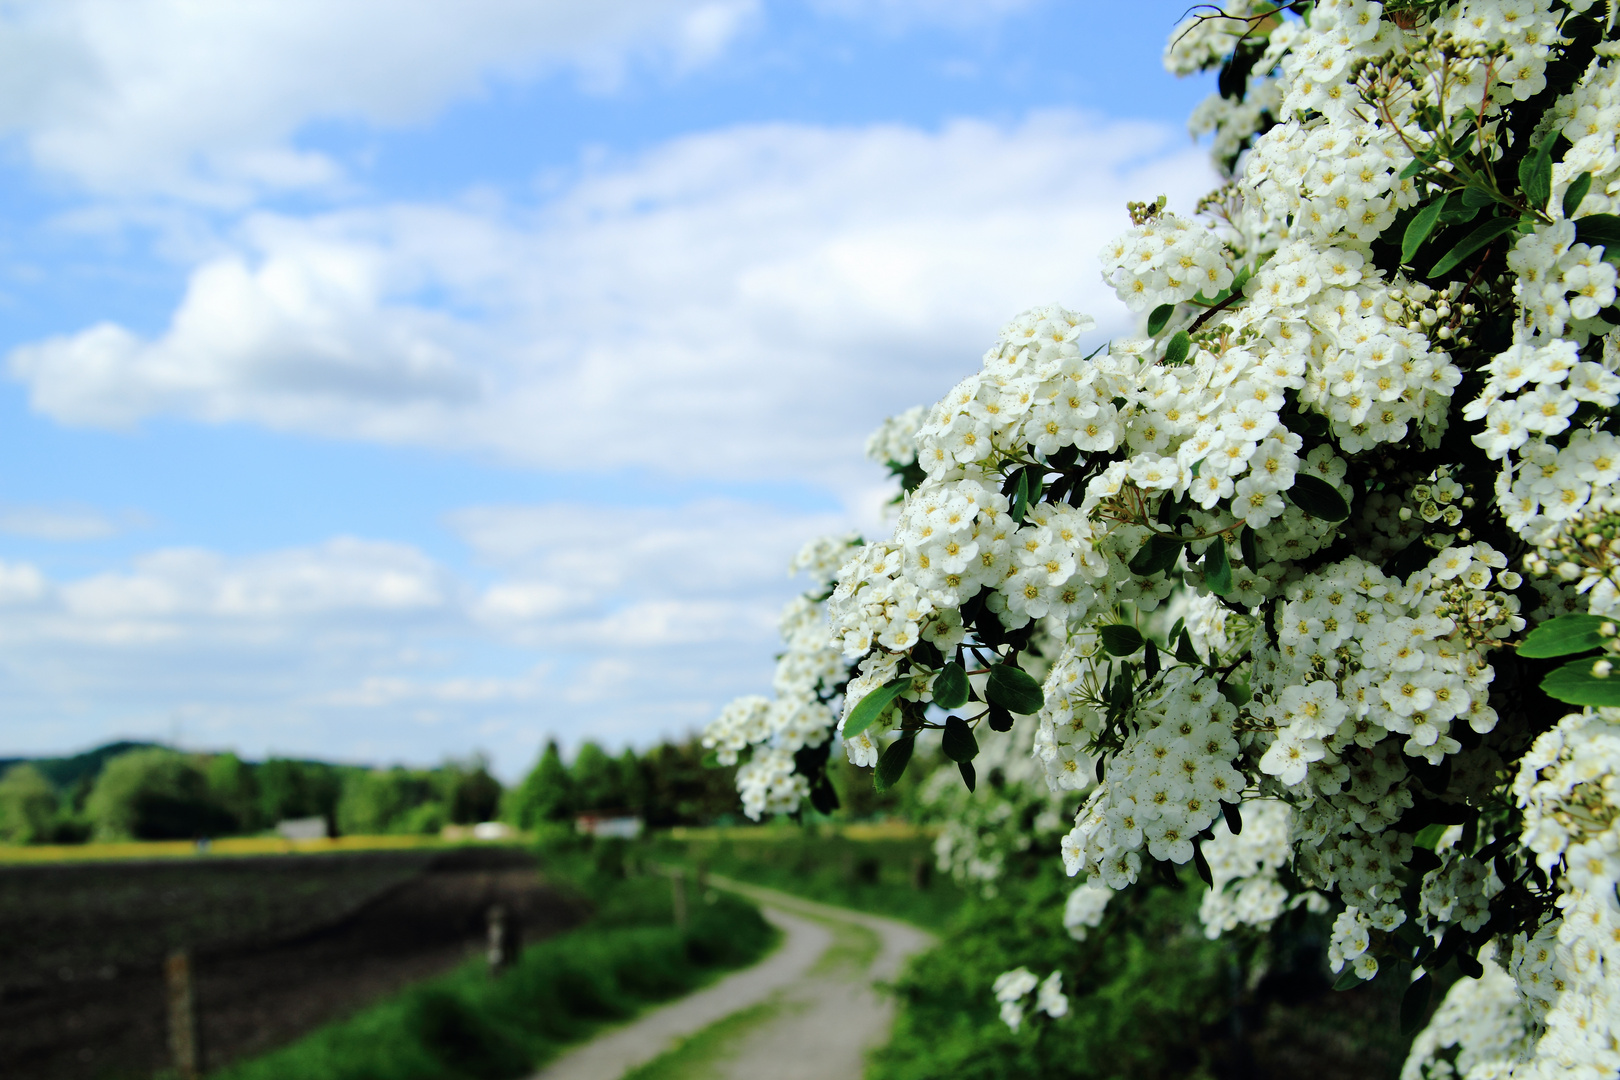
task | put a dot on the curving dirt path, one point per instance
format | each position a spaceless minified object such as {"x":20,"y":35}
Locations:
{"x":813,"y":1010}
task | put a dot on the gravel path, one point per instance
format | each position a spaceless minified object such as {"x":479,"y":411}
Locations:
{"x":822,"y":976}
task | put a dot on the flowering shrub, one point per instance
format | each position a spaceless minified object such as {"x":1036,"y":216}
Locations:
{"x":1378,"y":381}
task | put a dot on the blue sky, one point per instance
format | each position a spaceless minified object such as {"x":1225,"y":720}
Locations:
{"x":389,"y":380}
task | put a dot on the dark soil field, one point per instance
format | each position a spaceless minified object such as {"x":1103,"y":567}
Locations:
{"x":279,"y":945}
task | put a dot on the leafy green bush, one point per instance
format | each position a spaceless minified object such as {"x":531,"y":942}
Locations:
{"x":1149,"y":996}
{"x":155,"y":794}
{"x":28,"y":806}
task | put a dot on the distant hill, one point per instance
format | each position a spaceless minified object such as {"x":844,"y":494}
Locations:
{"x":67,"y":772}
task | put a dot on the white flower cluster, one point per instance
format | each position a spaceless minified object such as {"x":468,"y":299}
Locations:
{"x":895,"y":440}
{"x":1570,"y":791}
{"x":769,"y":784}
{"x":1084,"y":909}
{"x":807,"y":672}
{"x":1012,"y":987}
{"x":1555,"y":1012}
{"x":1165,"y":260}
{"x":1163,"y":788}
{"x":1244,"y":890}
{"x":1477,"y":1032}
{"x":1544,"y":481}
{"x":1352,"y":935}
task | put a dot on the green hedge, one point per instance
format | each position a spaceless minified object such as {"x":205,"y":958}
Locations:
{"x":1150,"y":997}
{"x":468,"y":1026}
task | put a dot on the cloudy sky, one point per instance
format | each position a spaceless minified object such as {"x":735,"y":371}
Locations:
{"x":389,"y":379}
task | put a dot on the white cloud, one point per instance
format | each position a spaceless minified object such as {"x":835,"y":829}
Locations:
{"x":62,"y":523}
{"x":627,"y":625}
{"x":203,"y":100}
{"x":742,"y":303}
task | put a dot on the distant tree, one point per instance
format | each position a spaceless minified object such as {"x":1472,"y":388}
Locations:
{"x":155,"y":794}
{"x":474,"y":795}
{"x":633,"y":782}
{"x":682,"y":791}
{"x":28,"y":806}
{"x":297,"y":789}
{"x":546,"y":794}
{"x":236,"y":788}
{"x":596,"y":779}
{"x":386,"y":800}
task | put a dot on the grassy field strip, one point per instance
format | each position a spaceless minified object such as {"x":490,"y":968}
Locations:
{"x":869,"y":830}
{"x":697,"y":1056}
{"x":236,"y":845}
{"x":275,"y":845}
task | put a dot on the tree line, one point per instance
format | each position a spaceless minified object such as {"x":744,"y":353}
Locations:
{"x":148,"y":792}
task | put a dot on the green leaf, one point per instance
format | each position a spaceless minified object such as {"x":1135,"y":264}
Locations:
{"x":1420,"y":228}
{"x":1160,"y":316}
{"x":1472,"y":243}
{"x":1574,"y":683}
{"x":1201,"y":864}
{"x":1348,"y":979}
{"x":1217,"y":569}
{"x":1318,"y":498}
{"x":1415,"y":1004}
{"x":1157,"y":555}
{"x":1477,"y":195}
{"x":1576,"y":192}
{"x":872,"y":705}
{"x":711,"y":760}
{"x":1564,"y":635}
{"x":1014,"y":690}
{"x":1429,"y":835}
{"x":957,"y":740}
{"x":1456,"y":213}
{"x":1120,"y":639}
{"x":893,"y":761}
{"x":1250,"y":550}
{"x":1535,"y":174}
{"x":1176,"y":352}
{"x":969,"y":777}
{"x":1185,"y":651}
{"x":1150,"y":662}
{"x":1242,"y":279}
{"x":1598,"y":229}
{"x":951,"y":686}
{"x":1020,"y":496}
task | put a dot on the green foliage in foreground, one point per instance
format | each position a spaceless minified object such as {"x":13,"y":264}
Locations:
{"x":1149,"y":997}
{"x":468,"y":1026}
{"x":893,"y":877}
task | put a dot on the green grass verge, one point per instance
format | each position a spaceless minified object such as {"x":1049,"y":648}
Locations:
{"x":892,"y":877}
{"x":468,"y":1026}
{"x":696,"y":1056}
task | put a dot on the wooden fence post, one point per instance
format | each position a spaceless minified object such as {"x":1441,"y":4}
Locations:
{"x":184,"y":1048}
{"x":505,"y":938}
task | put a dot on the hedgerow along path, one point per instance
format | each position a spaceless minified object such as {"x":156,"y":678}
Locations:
{"x":809,"y":1011}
